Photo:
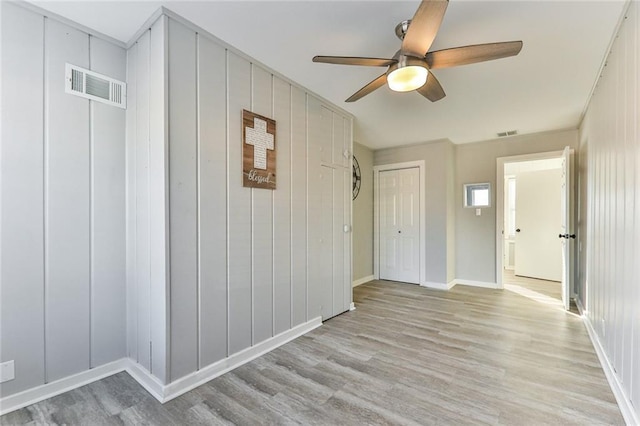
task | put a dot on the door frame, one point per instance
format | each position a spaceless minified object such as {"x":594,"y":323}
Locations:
{"x":420,"y":164}
{"x":500,"y":162}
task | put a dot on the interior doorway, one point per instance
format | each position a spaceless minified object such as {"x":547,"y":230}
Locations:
{"x":533,"y":243}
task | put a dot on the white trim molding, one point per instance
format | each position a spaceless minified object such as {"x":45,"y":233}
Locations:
{"x":161,"y":392}
{"x":352,"y":306}
{"x":631,"y":417}
{"x":363,"y":280}
{"x":481,"y":284}
{"x":438,"y":286}
{"x":195,"y":379}
{"x":420,"y":164}
{"x":40,"y":393}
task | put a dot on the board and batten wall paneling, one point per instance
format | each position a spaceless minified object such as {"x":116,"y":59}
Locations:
{"x":183,"y":199}
{"x":609,"y":210}
{"x":262,"y":222}
{"x":142,"y":257}
{"x":108,"y":280}
{"x":282,"y":208}
{"x":22,"y":208}
{"x":63,"y":235}
{"x":147,"y":201}
{"x":299,"y":209}
{"x":237,"y":257}
{"x":131,"y":207}
{"x":212,"y":200}
{"x":313,"y":208}
{"x":67,"y":202}
{"x":158,"y":200}
{"x":239,"y":208}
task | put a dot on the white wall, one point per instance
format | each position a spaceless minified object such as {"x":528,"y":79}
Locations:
{"x":242,"y":265}
{"x":610,"y":211}
{"x":475,"y":163}
{"x":62,"y":205}
{"x":439,"y":159}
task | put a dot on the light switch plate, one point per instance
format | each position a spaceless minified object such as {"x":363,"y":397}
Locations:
{"x":7,"y":371}
{"x":478,"y":212}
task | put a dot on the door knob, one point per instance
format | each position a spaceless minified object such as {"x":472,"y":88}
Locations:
{"x":560,"y":236}
{"x":572,"y":236}
{"x":399,"y":232}
{"x":518,"y":230}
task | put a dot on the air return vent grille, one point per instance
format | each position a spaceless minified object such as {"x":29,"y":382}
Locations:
{"x":508,"y":133}
{"x":94,"y":86}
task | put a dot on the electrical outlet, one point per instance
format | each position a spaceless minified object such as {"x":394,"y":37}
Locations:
{"x":7,"y":371}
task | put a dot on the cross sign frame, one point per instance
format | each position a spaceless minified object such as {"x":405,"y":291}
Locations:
{"x":258,"y":151}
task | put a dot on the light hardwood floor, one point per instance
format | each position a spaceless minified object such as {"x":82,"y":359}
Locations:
{"x":406,"y":355}
{"x":551,"y":289}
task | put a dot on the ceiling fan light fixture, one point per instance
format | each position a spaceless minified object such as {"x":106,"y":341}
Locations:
{"x":407,"y":78}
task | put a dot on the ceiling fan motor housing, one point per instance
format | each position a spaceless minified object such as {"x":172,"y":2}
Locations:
{"x":402,"y":27}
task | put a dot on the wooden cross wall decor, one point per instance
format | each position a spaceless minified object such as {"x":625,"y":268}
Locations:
{"x":258,"y":151}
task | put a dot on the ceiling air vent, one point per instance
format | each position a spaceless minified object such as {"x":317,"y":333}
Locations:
{"x":94,"y":86}
{"x":508,"y":133}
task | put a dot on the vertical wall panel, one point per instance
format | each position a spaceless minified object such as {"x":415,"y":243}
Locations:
{"x":67,"y":207}
{"x":21,"y":213}
{"x":634,"y":13}
{"x":282,"y":208}
{"x":158,"y":203}
{"x":182,"y":184}
{"x":239,"y":207}
{"x":212,"y":166}
{"x":142,"y":256}
{"x":131,"y":233}
{"x":348,"y":201}
{"x":298,"y":207}
{"x":337,"y":214}
{"x":326,"y":281}
{"x":314,"y":205}
{"x":610,"y":134}
{"x":262,"y":222}
{"x":108,"y":289}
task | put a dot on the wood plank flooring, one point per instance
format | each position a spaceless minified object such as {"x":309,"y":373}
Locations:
{"x":406,"y":355}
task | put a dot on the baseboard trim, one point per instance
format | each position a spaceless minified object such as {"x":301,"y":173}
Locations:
{"x":438,"y":286}
{"x":362,"y":280}
{"x":40,"y":393}
{"x":162,"y":393}
{"x":623,"y":400}
{"x":146,"y":380}
{"x":193,"y":380}
{"x":481,"y":284}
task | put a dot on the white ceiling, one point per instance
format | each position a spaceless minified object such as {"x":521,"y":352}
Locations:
{"x":545,"y":87}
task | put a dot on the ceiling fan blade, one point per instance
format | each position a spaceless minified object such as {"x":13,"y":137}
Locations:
{"x":471,"y":54}
{"x":424,"y":27}
{"x":354,"y":60}
{"x":432,"y":89}
{"x":370,"y":87}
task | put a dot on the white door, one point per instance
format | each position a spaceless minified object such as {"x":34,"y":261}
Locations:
{"x":565,"y":227}
{"x":400,"y":225}
{"x":538,"y":211}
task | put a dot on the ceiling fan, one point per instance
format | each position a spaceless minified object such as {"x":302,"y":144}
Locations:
{"x":409,"y":69}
